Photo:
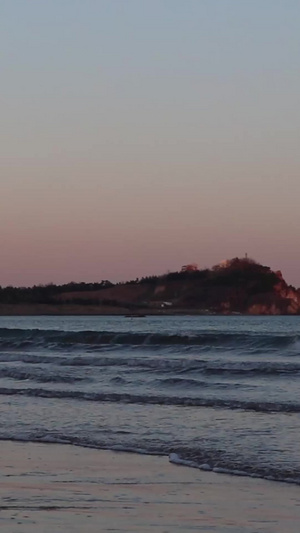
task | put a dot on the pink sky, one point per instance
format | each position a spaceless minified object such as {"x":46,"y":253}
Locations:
{"x":148,"y":135}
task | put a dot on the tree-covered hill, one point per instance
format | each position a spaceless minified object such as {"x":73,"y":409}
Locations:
{"x":233,"y":286}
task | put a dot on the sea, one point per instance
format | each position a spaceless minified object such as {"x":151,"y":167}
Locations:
{"x":218,"y":393}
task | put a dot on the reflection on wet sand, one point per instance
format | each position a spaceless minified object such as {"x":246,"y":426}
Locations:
{"x":48,"y":488}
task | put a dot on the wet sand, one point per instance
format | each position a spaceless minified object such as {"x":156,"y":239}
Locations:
{"x":60,"y":488}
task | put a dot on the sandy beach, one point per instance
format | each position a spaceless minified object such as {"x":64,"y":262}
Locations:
{"x":61,"y":488}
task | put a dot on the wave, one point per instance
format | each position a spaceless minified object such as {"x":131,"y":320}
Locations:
{"x":271,"y":474}
{"x":200,"y":459}
{"x":164,"y":365}
{"x":39,"y":377}
{"x":154,"y":399}
{"x":196,"y":384}
{"x":181,"y":366}
{"x":19,"y":338}
{"x":182,"y":382}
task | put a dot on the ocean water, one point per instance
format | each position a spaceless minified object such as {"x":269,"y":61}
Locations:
{"x":219,"y":393}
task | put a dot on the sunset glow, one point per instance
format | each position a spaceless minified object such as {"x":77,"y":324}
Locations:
{"x":140,"y":136}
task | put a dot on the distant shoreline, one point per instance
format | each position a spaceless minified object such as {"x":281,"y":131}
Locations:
{"x":101,"y":310}
{"x":90,"y":310}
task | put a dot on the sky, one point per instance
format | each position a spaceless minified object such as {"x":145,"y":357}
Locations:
{"x":141,"y":135}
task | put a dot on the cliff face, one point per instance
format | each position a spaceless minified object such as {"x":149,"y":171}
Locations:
{"x":236,"y":286}
{"x":247,"y":287}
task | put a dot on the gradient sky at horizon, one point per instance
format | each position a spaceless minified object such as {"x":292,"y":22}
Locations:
{"x":141,"y":135}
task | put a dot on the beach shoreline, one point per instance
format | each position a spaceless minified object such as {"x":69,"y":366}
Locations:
{"x":60,"y":487}
{"x":31,"y":310}
{"x":75,"y":310}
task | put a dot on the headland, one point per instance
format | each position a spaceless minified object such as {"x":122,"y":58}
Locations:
{"x":235,"y":286}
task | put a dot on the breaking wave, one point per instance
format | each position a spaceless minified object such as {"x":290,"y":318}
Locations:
{"x":223,"y":399}
{"x":159,"y":399}
{"x":179,"y":365}
{"x":209,"y":461}
{"x":19,"y":338}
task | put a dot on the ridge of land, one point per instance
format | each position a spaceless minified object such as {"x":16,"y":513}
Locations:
{"x":235,"y":286}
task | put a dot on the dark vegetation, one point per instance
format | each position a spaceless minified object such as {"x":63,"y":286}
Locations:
{"x":233,"y":286}
{"x":47,"y":294}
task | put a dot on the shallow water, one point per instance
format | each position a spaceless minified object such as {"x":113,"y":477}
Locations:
{"x":221,"y":392}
